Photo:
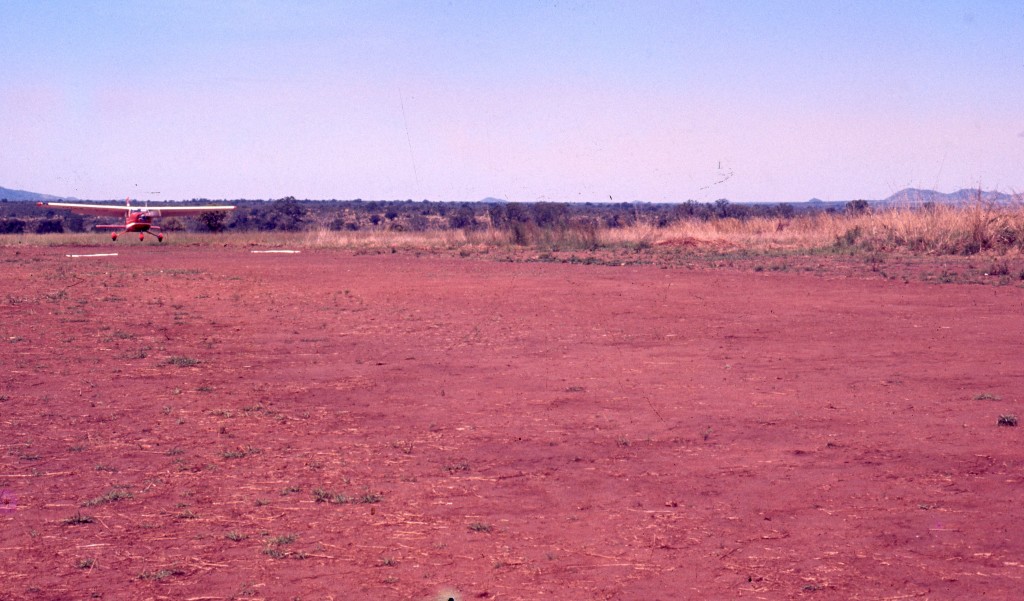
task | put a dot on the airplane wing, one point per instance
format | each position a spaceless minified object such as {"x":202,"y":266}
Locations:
{"x":168,"y":211}
{"x":85,"y":209}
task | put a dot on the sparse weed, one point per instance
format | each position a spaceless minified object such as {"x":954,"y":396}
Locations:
{"x":79,"y":519}
{"x":1007,"y":420}
{"x":321,"y":495}
{"x":274,"y":550}
{"x":480,"y":527}
{"x":240,"y":452}
{"x":162,"y":574}
{"x":284,"y":539}
{"x":369,"y":497}
{"x":85,"y":563}
{"x":235,"y":536}
{"x":985,"y":396}
{"x":182,"y":361}
{"x":111,"y":496}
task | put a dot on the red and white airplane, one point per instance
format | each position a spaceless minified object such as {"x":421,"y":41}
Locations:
{"x":136,"y":220}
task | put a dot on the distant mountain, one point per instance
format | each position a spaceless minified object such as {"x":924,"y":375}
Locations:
{"x":25,"y":195}
{"x":490,"y":200}
{"x":914,"y":196}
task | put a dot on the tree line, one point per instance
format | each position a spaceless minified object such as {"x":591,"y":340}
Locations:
{"x":290,"y":214}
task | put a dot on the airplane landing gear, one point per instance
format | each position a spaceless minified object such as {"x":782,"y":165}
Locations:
{"x":142,"y":237}
{"x":159,"y":237}
{"x":113,"y":237}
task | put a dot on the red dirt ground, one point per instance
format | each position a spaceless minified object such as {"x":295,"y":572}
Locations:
{"x":478,"y":429}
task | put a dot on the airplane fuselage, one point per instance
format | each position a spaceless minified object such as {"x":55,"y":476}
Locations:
{"x":137,"y":221}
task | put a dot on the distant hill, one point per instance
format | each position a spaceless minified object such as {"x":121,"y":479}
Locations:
{"x":914,"y":196}
{"x":490,"y":200}
{"x":10,"y":194}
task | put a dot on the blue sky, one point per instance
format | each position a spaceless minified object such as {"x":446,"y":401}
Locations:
{"x":528,"y":101}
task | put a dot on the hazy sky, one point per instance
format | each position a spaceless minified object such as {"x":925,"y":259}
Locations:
{"x":547,"y":100}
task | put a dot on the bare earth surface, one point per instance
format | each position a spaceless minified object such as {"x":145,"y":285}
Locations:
{"x":204,"y":423}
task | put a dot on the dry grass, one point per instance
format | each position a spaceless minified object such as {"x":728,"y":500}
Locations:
{"x":938,"y":230}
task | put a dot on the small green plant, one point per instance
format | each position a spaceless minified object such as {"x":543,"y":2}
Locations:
{"x":480,"y":527}
{"x":183,"y":361}
{"x":289,"y":490}
{"x":85,"y":563}
{"x":985,"y":396}
{"x":1008,"y":420}
{"x":388,"y":562}
{"x":235,"y":536}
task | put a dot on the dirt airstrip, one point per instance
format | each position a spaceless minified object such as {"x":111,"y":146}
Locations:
{"x":205,"y":423}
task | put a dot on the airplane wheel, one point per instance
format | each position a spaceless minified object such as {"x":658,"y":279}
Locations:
{"x":142,"y":237}
{"x":113,"y":237}
{"x":159,"y":238}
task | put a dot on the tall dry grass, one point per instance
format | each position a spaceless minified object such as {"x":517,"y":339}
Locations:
{"x":951,"y":230}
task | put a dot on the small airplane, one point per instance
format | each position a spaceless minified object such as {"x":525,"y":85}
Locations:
{"x":136,"y":220}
